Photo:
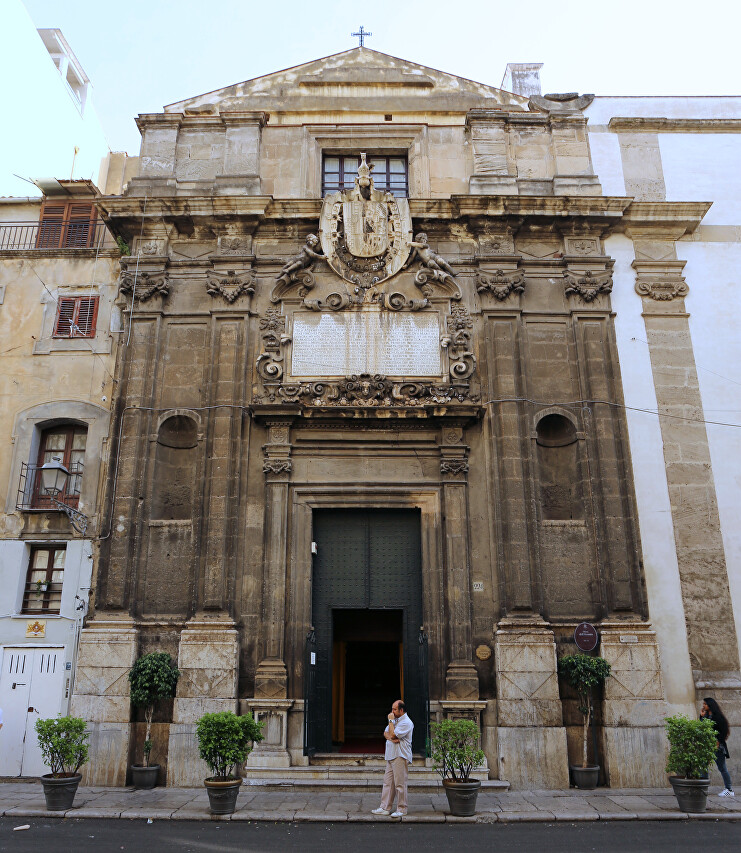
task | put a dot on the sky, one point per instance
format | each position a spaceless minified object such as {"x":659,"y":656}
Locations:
{"x":143,"y":54}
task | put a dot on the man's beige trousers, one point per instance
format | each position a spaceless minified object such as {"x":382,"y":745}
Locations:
{"x":395,"y":782}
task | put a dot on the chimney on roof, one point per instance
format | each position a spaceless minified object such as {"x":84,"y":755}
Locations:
{"x":522,"y":78}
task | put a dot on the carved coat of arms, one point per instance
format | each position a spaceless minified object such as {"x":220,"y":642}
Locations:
{"x":365,"y":233}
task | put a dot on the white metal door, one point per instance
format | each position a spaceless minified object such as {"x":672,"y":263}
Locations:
{"x":30,"y":688}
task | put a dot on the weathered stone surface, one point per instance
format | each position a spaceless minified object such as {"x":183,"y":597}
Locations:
{"x":533,"y":757}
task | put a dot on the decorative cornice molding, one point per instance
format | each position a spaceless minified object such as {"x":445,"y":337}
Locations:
{"x":675,"y":125}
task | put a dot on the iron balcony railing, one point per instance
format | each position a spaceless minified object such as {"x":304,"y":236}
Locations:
{"x":25,"y":236}
{"x":31,"y":496}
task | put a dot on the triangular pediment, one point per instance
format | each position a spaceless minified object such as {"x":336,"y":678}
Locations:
{"x":359,"y":78}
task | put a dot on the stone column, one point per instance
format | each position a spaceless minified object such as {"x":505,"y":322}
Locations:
{"x":222,"y":466}
{"x":208,"y":660}
{"x":493,"y":171}
{"x":271,"y":677}
{"x":108,"y":649}
{"x":703,"y":572}
{"x":461,"y":680}
{"x":531,"y":738}
{"x":574,"y":173}
{"x":635,"y":745}
{"x":241,"y":172}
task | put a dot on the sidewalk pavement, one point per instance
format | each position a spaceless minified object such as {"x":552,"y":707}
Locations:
{"x":25,"y":799}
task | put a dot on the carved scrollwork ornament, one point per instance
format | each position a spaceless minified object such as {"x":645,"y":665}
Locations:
{"x":270,"y":360}
{"x":231,"y":285}
{"x":276,"y":466}
{"x":144,"y":285}
{"x":462,"y":361}
{"x":373,"y":390}
{"x":500,"y":284}
{"x":663,"y":290}
{"x":454,"y":466}
{"x":587,"y":285}
{"x":399,"y":302}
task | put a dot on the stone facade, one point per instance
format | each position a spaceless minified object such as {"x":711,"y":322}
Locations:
{"x":511,"y":440}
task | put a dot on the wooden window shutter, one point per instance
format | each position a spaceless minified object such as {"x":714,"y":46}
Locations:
{"x":51,"y":225}
{"x":80,"y":219}
{"x":65,"y":318}
{"x":86,"y":316}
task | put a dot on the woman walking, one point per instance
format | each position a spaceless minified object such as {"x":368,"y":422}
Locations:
{"x":711,"y":711}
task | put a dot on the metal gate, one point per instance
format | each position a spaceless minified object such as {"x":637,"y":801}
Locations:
{"x":366,"y":559}
{"x":30,"y":688}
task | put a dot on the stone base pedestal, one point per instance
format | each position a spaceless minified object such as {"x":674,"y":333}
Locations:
{"x":271,"y":679}
{"x":634,"y":741}
{"x":108,"y":648}
{"x":493,"y":185}
{"x":208,"y":660}
{"x":273,"y":714}
{"x":461,"y":681}
{"x":531,"y":738}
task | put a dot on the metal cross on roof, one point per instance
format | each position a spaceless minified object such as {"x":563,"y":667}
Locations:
{"x":362,"y":35}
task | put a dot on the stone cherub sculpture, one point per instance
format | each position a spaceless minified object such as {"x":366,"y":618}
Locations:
{"x":438,"y":267}
{"x":305,"y":259}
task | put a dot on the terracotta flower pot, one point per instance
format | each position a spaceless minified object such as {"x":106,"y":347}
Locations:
{"x":222,"y":794}
{"x":691,"y":794}
{"x":60,"y":791}
{"x":144,"y":778}
{"x":585,"y":778}
{"x":462,"y":796}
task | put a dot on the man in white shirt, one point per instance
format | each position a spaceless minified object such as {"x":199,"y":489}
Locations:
{"x":398,"y":736}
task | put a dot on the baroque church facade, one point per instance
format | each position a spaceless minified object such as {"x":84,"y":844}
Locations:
{"x":382,"y":425}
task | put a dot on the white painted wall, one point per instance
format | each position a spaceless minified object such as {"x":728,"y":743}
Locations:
{"x":43,"y":123}
{"x":697,"y":167}
{"x":652,"y":494}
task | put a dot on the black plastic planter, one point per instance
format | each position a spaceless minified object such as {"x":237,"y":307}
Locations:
{"x":222,"y":794}
{"x":144,"y":778}
{"x":60,"y":791}
{"x":691,"y":794}
{"x":462,"y":796}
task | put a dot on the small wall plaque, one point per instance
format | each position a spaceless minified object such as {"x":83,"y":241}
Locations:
{"x":483,"y":652}
{"x":586,"y":637}
{"x":628,"y":638}
{"x":36,"y":628}
{"x":478,"y":586}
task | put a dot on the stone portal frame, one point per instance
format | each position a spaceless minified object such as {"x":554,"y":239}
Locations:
{"x":304,"y":500}
{"x":408,"y":140}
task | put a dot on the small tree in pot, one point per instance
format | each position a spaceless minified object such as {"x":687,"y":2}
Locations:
{"x":692,"y":745}
{"x":584,"y":673}
{"x":64,"y":748}
{"x":224,"y":741}
{"x":455,"y":754}
{"x":153,"y":677}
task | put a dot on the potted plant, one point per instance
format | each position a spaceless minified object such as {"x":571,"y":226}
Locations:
{"x":692,"y":745}
{"x":152,"y":677}
{"x":455,"y":753}
{"x":584,"y":673}
{"x":224,"y":741}
{"x":63,"y":742}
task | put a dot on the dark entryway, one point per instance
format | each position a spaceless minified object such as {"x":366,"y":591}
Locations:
{"x":367,"y":615}
{"x":367,"y":676}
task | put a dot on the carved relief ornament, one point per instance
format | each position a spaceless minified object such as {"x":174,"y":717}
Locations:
{"x":274,"y":339}
{"x":144,"y":285}
{"x":453,"y":466}
{"x":462,"y":361}
{"x":230,"y":285}
{"x":365,"y":233}
{"x":500,"y":284}
{"x":662,"y":290}
{"x":587,"y":285}
{"x":276,"y":466}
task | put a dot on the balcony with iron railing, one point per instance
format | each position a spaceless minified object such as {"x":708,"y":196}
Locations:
{"x":31,"y":496}
{"x":32,"y":236}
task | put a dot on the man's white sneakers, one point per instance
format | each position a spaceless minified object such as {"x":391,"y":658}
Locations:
{"x":724,"y":793}
{"x":398,"y":814}
{"x":381,"y":811}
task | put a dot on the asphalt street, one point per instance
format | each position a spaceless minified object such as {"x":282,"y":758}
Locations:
{"x":112,"y":836}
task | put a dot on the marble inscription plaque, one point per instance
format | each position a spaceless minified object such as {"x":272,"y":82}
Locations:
{"x":371,"y":341}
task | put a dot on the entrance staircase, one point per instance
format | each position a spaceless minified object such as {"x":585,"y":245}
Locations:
{"x":338,"y":772}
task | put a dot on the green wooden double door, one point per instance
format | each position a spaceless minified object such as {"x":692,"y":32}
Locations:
{"x":368,"y":647}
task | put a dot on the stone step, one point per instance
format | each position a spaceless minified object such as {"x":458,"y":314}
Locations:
{"x":352,"y":779}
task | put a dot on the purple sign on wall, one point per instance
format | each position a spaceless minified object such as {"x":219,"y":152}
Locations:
{"x":586,"y":637}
